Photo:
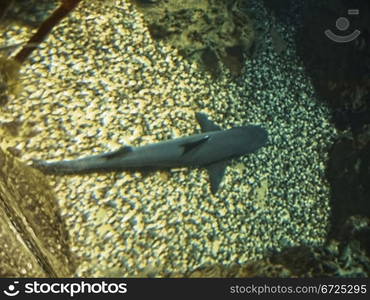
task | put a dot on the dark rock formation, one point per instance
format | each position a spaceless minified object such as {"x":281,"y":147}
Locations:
{"x":28,"y":12}
{"x":32,"y":236}
{"x":212,"y":33}
{"x":349,"y":175}
{"x":339,"y":71}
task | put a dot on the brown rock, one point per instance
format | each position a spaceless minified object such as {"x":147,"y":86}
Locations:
{"x":213,"y":34}
{"x":32,"y":236}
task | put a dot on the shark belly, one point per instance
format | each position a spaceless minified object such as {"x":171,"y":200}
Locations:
{"x":166,"y":154}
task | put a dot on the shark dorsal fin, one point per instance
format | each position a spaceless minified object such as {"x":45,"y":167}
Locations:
{"x":120,"y":152}
{"x":192,"y":145}
{"x":205,"y":123}
{"x":216,"y":173}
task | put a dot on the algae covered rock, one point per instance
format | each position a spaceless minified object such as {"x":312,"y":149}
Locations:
{"x":9,"y":81}
{"x":26,"y":12}
{"x":32,"y":236}
{"x":212,"y":33}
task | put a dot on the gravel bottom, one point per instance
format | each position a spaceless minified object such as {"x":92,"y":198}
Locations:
{"x":99,"y":82}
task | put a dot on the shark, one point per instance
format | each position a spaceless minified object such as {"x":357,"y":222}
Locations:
{"x":211,"y":149}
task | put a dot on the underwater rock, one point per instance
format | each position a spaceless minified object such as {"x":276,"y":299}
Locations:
{"x":32,"y":236}
{"x":340,"y":74}
{"x":9,"y":78}
{"x":348,"y":173}
{"x":27,"y":12}
{"x":339,"y":71}
{"x":277,"y":6}
{"x":4,"y":6}
{"x":213,"y":33}
{"x":326,"y":59}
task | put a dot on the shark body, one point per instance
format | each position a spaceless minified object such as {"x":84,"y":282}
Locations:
{"x":212,"y":149}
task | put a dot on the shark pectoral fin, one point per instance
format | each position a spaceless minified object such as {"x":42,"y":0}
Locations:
{"x":216,"y":173}
{"x":119,"y":153}
{"x":190,"y":146}
{"x":205,"y":123}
